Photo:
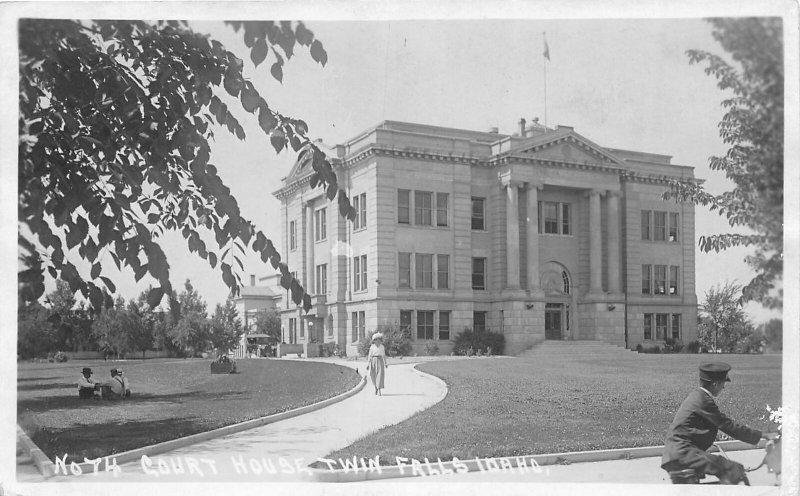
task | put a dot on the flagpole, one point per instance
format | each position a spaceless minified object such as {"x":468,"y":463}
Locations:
{"x":545,"y":55}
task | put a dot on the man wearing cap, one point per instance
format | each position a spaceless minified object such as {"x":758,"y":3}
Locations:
{"x":86,"y":385}
{"x":695,"y":428}
{"x":119,"y":385}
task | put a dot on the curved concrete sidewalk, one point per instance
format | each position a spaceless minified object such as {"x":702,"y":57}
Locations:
{"x":281,"y":451}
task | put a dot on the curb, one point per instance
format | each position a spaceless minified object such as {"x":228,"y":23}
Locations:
{"x":48,"y":469}
{"x":366,"y":471}
{"x":39,"y":459}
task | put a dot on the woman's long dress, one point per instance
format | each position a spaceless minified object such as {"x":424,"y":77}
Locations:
{"x":377,"y":366}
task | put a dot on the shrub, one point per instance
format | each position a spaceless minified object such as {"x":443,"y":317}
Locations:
{"x":469,"y":342}
{"x":431,"y":348}
{"x":672,"y":345}
{"x":693,"y":347}
{"x":648,"y":349}
{"x":60,"y":357}
{"x":396,"y":341}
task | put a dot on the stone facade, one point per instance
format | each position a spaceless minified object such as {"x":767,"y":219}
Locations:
{"x":538,"y":235}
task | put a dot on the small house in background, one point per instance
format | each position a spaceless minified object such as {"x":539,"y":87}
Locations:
{"x":259,"y":296}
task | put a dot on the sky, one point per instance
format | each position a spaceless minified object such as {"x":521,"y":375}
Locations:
{"x":622,"y":83}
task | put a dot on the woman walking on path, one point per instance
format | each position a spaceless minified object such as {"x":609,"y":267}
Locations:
{"x":376,"y":362}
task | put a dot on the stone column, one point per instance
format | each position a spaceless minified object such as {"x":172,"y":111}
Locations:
{"x":533,"y":236}
{"x":512,"y":233}
{"x":310,"y":249}
{"x":613,"y":241}
{"x":595,"y":244}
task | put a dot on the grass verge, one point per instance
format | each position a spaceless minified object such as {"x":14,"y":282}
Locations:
{"x":171,"y":399}
{"x":551,"y":404}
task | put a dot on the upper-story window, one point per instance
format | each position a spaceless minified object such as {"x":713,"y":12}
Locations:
{"x":478,"y":273}
{"x":423,"y":271}
{"x":403,"y":206}
{"x":360,"y":273}
{"x":320,"y":224}
{"x":442,"y":201}
{"x":554,"y":218}
{"x":404,"y":270}
{"x":360,"y":206}
{"x":423,"y":204}
{"x":322,"y":279}
{"x":443,"y":271}
{"x":478,"y":214}
{"x":660,"y":279}
{"x":292,"y":235}
{"x":660,"y":226}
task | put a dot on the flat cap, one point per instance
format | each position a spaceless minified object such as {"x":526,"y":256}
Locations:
{"x":715,"y":371}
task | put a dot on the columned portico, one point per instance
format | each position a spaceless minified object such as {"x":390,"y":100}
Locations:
{"x":595,"y":244}
{"x":532,"y":214}
{"x":512,"y":231}
{"x":613,"y":242}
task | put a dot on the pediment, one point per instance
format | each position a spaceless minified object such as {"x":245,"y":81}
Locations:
{"x":570,"y":147}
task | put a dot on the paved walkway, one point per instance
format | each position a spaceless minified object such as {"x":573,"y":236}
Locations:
{"x":280,"y":451}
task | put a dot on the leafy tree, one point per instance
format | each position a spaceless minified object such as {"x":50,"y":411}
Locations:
{"x":191,"y":330}
{"x":773,"y":334}
{"x":142,"y":324}
{"x":111,"y":329}
{"x":34,"y":332}
{"x":226,"y":327}
{"x":722,"y":322}
{"x":268,"y":322}
{"x":115,"y":119}
{"x":753,"y":128}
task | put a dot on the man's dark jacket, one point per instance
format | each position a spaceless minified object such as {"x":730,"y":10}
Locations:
{"x":696,"y":425}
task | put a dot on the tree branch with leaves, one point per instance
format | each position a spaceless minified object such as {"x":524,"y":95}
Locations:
{"x":114,"y":128}
{"x":752,"y":127}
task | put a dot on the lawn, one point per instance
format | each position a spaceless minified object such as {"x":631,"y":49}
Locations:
{"x":549,"y":404}
{"x":171,"y":399}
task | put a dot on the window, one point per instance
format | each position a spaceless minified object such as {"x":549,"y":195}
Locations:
{"x":443,"y":271}
{"x":358,"y":326}
{"x":478,"y":214}
{"x":444,"y":326}
{"x":646,"y":225}
{"x":647,"y":282}
{"x":673,"y":228}
{"x":441,"y":209}
{"x":676,"y":326}
{"x":423,"y":206}
{"x":479,"y":321}
{"x":403,"y":206}
{"x":648,"y":326}
{"x":360,"y":206}
{"x":661,"y":325}
{"x":424,"y":325}
{"x":292,"y":235}
{"x":565,"y":278}
{"x":360,"y":273}
{"x":292,"y":330}
{"x":322,"y":279}
{"x":554,"y":217}
{"x":478,"y":273}
{"x":302,"y":330}
{"x":404,"y":269}
{"x":405,"y":320}
{"x":660,"y":279}
{"x":550,"y":212}
{"x":320,"y":225}
{"x":423,"y":271}
{"x":673,"y":280}
{"x":659,"y":226}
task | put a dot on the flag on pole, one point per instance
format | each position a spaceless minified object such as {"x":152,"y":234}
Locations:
{"x":546,"y":50}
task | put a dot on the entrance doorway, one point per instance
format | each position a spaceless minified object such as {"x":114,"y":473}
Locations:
{"x":553,"y":321}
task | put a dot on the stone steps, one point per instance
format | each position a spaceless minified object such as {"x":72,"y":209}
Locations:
{"x":582,"y":348}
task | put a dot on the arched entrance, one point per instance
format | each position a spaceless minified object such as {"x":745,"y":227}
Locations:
{"x":556,"y":284}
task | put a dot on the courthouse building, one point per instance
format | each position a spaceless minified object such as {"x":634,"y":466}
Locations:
{"x":539,"y":235}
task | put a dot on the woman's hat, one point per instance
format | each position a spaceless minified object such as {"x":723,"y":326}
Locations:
{"x":377,"y":335}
